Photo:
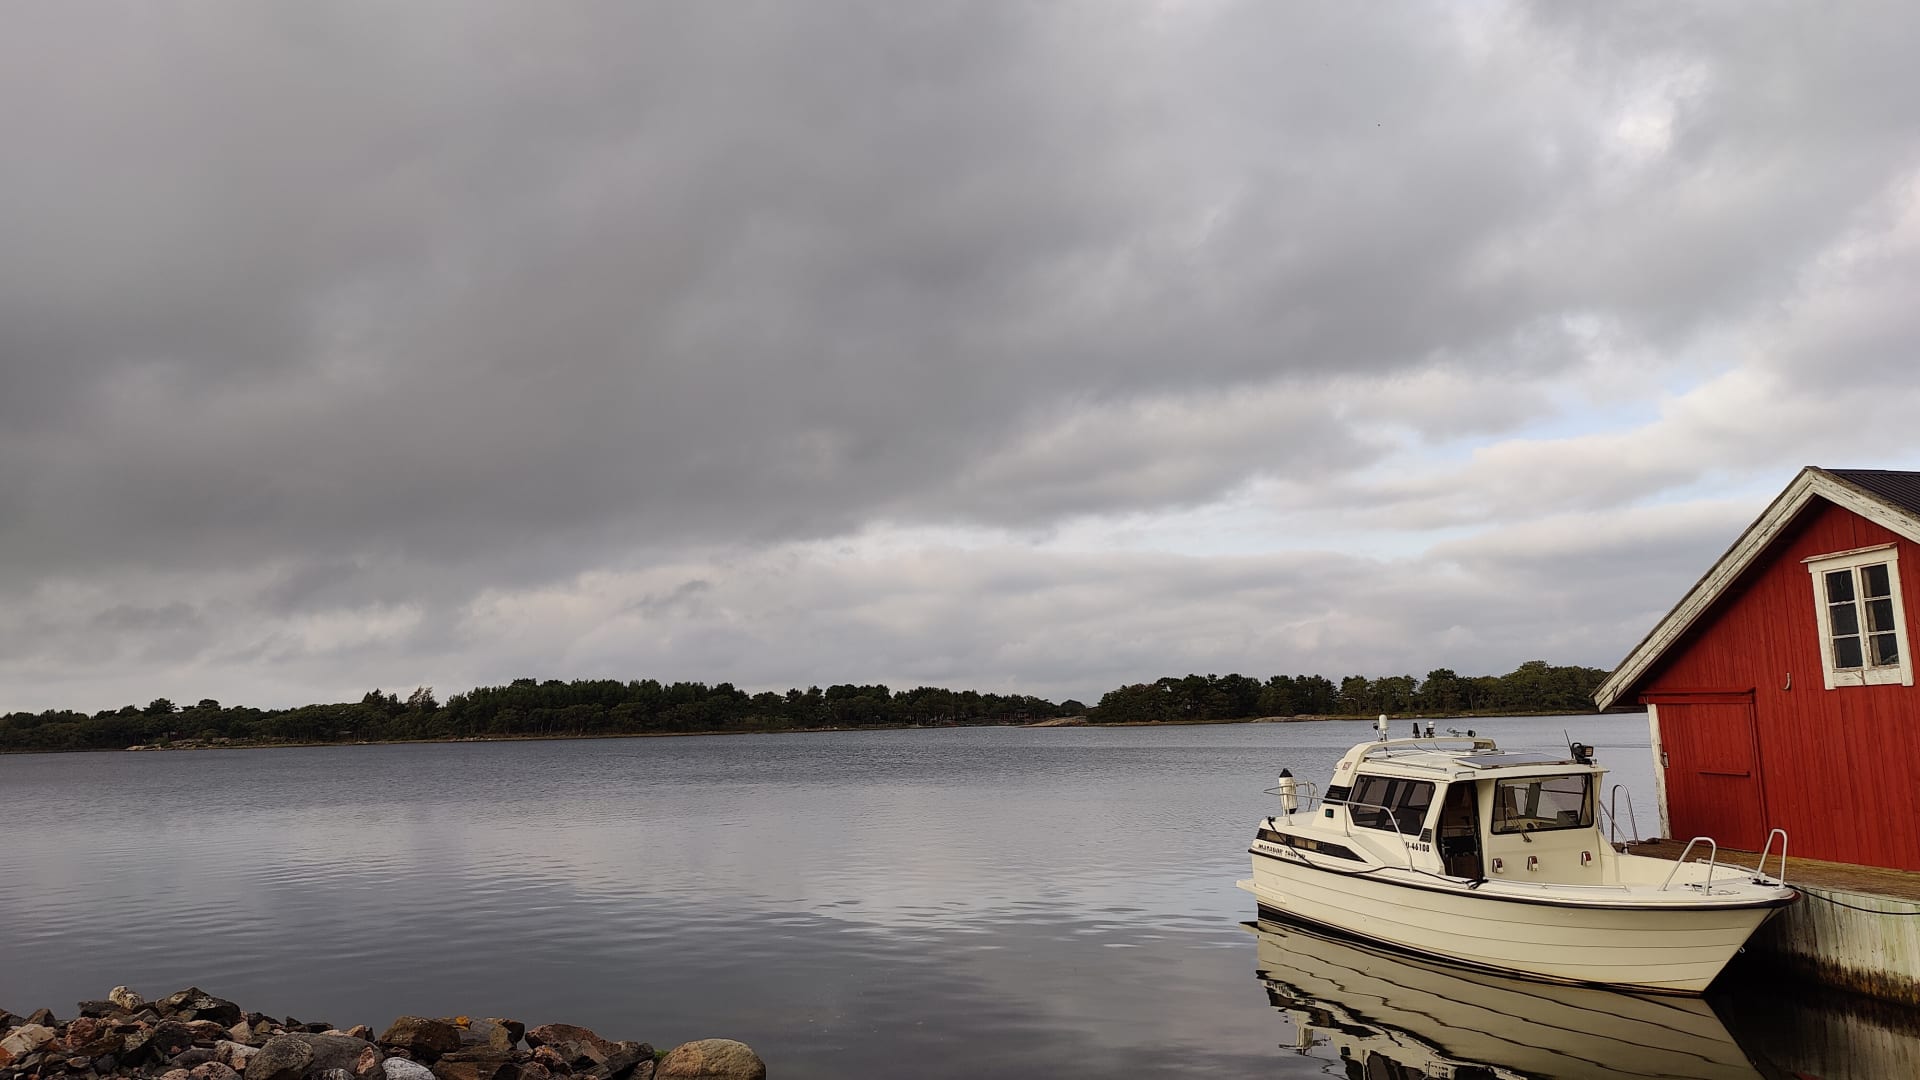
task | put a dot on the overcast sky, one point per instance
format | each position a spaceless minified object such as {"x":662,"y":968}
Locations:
{"x":1022,"y":347}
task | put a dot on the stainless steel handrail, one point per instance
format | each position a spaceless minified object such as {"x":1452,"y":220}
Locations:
{"x":1613,"y":814}
{"x":1304,"y":792}
{"x":1761,"y":870}
{"x":1713,"y":857}
{"x":1346,"y":823}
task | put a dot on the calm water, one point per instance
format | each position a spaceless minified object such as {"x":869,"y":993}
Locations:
{"x":1021,"y":902}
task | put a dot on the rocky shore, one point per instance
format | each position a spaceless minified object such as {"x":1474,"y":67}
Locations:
{"x":192,"y":1035}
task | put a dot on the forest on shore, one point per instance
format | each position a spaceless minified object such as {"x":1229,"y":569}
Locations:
{"x":587,"y":707}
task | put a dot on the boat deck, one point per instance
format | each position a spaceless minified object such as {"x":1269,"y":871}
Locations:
{"x":1814,"y":873}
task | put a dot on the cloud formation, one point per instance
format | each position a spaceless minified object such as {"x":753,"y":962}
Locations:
{"x":1008,"y":346}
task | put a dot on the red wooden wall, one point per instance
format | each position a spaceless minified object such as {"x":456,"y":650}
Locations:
{"x":1838,"y":769}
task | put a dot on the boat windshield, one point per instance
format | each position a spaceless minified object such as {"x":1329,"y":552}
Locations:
{"x":1539,"y":803}
{"x":1390,"y":802}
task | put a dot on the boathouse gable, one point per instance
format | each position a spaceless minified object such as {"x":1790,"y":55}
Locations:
{"x":1780,"y":691}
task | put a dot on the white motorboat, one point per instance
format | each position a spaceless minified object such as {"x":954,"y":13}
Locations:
{"x":1452,"y":848}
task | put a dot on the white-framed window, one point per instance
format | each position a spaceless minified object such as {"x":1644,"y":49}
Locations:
{"x":1863,"y":631}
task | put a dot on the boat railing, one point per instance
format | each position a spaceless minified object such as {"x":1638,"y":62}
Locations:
{"x":1713,"y":857}
{"x":1301,"y":795}
{"x":1474,"y":742}
{"x":1761,"y":870}
{"x":1346,"y":823}
{"x":1613,"y":815}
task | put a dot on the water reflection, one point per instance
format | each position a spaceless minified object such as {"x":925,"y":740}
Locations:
{"x":1382,"y":1014}
{"x":1391,"y":1016}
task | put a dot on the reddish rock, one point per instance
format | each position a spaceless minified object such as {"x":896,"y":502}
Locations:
{"x":82,"y":1031}
{"x":576,"y":1045}
{"x":426,"y":1039}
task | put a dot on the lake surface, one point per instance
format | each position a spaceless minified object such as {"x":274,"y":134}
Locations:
{"x":959,"y":902}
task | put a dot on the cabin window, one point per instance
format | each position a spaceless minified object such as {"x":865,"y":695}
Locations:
{"x":1856,"y":600}
{"x":1390,"y":802}
{"x":1540,"y":803}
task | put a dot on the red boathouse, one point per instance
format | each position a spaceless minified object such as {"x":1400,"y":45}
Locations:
{"x":1780,"y":689}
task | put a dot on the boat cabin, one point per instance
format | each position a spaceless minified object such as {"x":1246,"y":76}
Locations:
{"x":1475,"y":813}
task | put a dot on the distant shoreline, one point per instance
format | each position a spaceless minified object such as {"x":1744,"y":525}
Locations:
{"x":1064,"y":722}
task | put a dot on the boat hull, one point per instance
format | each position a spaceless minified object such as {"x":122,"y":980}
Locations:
{"x":1668,"y":948}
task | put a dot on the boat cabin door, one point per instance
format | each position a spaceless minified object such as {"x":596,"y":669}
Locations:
{"x":1459,"y":837}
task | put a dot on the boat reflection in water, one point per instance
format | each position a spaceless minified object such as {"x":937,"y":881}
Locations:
{"x":1390,"y":1015}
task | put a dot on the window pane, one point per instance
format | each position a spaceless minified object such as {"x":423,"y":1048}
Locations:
{"x":1885,"y":649}
{"x":1553,"y":802}
{"x":1846,"y":652}
{"x":1846,"y":619}
{"x":1839,"y":586}
{"x":1873,"y":580}
{"x":1880,"y":615}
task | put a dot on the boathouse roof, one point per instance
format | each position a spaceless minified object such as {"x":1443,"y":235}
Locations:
{"x":1887,"y":497}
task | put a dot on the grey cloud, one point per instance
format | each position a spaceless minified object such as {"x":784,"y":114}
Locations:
{"x":323,"y":310}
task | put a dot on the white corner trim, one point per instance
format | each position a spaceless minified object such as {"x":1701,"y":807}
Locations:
{"x":1810,"y":482}
{"x":1659,"y":769}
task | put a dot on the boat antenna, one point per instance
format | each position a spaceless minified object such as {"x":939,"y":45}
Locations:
{"x":1382,"y":725}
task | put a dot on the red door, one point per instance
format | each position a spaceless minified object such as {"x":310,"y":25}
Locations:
{"x":1713,"y":770}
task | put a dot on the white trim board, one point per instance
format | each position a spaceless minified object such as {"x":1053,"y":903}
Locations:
{"x":1812,"y":482}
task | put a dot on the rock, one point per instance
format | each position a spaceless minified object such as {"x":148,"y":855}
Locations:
{"x":361,"y":1031}
{"x":82,"y":1030}
{"x":214,"y":1070}
{"x":241,"y":1031}
{"x":477,"y":1063}
{"x":193,"y":1056}
{"x":126,"y":999}
{"x":329,"y":1074}
{"x":102,"y":1045}
{"x":425,"y":1039}
{"x":576,"y":1045}
{"x":103,"y":1010}
{"x":26,"y":1039}
{"x":551,"y":1059}
{"x":194,"y":1003}
{"x":43,"y":1018}
{"x":621,"y":1061}
{"x":515,"y":1029}
{"x":284,"y":1057}
{"x":176,"y":1074}
{"x":722,"y":1059}
{"x":355,"y":1057}
{"x":207,"y":1031}
{"x":486,"y":1033}
{"x":157,"y":1043}
{"x":234,"y":1055}
{"x":398,"y":1068}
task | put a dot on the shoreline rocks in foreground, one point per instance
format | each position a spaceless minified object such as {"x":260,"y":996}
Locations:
{"x":192,"y":1035}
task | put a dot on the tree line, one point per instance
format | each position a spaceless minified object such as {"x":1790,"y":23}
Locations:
{"x":582,"y":707}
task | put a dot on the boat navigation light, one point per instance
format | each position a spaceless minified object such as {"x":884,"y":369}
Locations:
{"x":1429,"y":729}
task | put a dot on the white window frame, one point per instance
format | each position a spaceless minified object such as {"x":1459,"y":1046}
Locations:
{"x":1871,"y":675}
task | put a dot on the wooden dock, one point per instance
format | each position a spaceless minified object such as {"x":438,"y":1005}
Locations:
{"x":1855,"y":927}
